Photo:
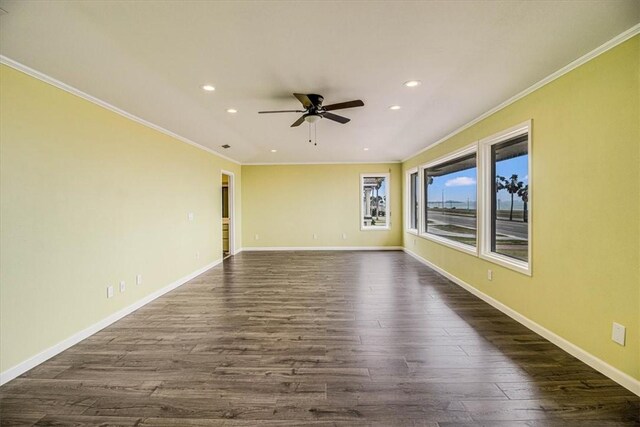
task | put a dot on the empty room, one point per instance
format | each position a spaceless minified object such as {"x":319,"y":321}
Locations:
{"x":320,"y":213}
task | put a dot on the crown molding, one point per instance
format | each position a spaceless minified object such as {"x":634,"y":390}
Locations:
{"x":620,"y":38}
{"x":77,"y":92}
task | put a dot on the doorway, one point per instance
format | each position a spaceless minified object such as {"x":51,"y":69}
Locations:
{"x":227,"y":214}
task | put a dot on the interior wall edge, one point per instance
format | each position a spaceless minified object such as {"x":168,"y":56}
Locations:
{"x":323,"y":163}
{"x":61,"y":346}
{"x":625,"y":380}
{"x":322,"y":248}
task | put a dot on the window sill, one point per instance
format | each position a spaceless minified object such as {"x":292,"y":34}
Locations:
{"x":510,"y":263}
{"x":412,"y":231}
{"x":471,"y":250}
{"x":385,"y":228}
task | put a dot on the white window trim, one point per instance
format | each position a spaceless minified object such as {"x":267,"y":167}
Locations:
{"x":464,"y":151}
{"x":484,"y":200}
{"x":387,"y":226}
{"x":407,"y":204}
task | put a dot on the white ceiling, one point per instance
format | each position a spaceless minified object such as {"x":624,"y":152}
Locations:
{"x":150,"y":58}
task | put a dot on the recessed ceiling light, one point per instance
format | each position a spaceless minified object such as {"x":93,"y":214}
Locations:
{"x":274,"y":151}
{"x":232,"y":110}
{"x":394,"y":107}
{"x":208,"y":88}
{"x":366,"y":149}
{"x":412,"y":83}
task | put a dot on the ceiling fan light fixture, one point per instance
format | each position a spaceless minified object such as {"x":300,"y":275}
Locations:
{"x":413,"y":83}
{"x":312,"y":118}
{"x":314,"y":110}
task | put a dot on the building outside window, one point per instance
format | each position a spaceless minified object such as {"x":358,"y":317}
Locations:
{"x":374,"y":201}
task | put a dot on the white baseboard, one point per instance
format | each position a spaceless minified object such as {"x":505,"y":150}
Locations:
{"x":625,"y":380}
{"x":41,"y":357}
{"x":322,"y":248}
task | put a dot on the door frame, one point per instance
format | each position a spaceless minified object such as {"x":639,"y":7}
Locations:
{"x":232,"y":209}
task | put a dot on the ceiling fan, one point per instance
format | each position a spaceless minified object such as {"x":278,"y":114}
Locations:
{"x":314,"y":110}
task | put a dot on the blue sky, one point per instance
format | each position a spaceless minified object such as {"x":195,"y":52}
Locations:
{"x":383,"y":188}
{"x":461,"y":185}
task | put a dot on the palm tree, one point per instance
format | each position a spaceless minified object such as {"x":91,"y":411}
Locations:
{"x":524,"y":195}
{"x":512,"y":185}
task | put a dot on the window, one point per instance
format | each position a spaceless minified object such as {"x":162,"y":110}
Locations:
{"x":507,"y":199}
{"x":413,"y":200}
{"x":478,"y":199}
{"x":450,"y":194}
{"x":374,"y":201}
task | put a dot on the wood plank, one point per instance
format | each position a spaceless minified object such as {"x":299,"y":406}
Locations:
{"x":317,"y":339}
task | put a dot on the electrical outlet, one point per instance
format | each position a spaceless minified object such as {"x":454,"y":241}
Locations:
{"x":122,"y":286}
{"x":197,"y":254}
{"x":256,"y":237}
{"x":190,"y":216}
{"x":139,"y":279}
{"x":315,"y":236}
{"x":344,"y":236}
{"x":109,"y":291}
{"x":618,"y":333}
{"x":490,"y":274}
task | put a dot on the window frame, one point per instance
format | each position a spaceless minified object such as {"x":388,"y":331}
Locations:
{"x":462,"y":152}
{"x":387,"y":177}
{"x":485,"y":200}
{"x":408,"y":206}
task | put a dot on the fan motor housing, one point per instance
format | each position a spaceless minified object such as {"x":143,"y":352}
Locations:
{"x":316,"y":100}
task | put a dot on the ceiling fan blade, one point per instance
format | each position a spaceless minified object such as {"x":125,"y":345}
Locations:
{"x":336,"y":118}
{"x":341,"y":105}
{"x":306,"y":102}
{"x":298,"y":122}
{"x":281,"y":111}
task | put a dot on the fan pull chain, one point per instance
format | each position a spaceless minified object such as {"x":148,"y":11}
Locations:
{"x":309,"y":132}
{"x":315,"y":134}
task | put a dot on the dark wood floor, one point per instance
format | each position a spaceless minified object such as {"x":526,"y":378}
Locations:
{"x":317,"y":338}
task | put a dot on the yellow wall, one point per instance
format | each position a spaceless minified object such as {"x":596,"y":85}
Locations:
{"x":585,"y":208}
{"x":90,"y":198}
{"x":286,"y":205}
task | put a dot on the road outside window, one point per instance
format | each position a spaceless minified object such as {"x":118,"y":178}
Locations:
{"x":450,"y":194}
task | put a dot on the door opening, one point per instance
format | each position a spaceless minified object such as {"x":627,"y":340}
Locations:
{"x":227,"y":215}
